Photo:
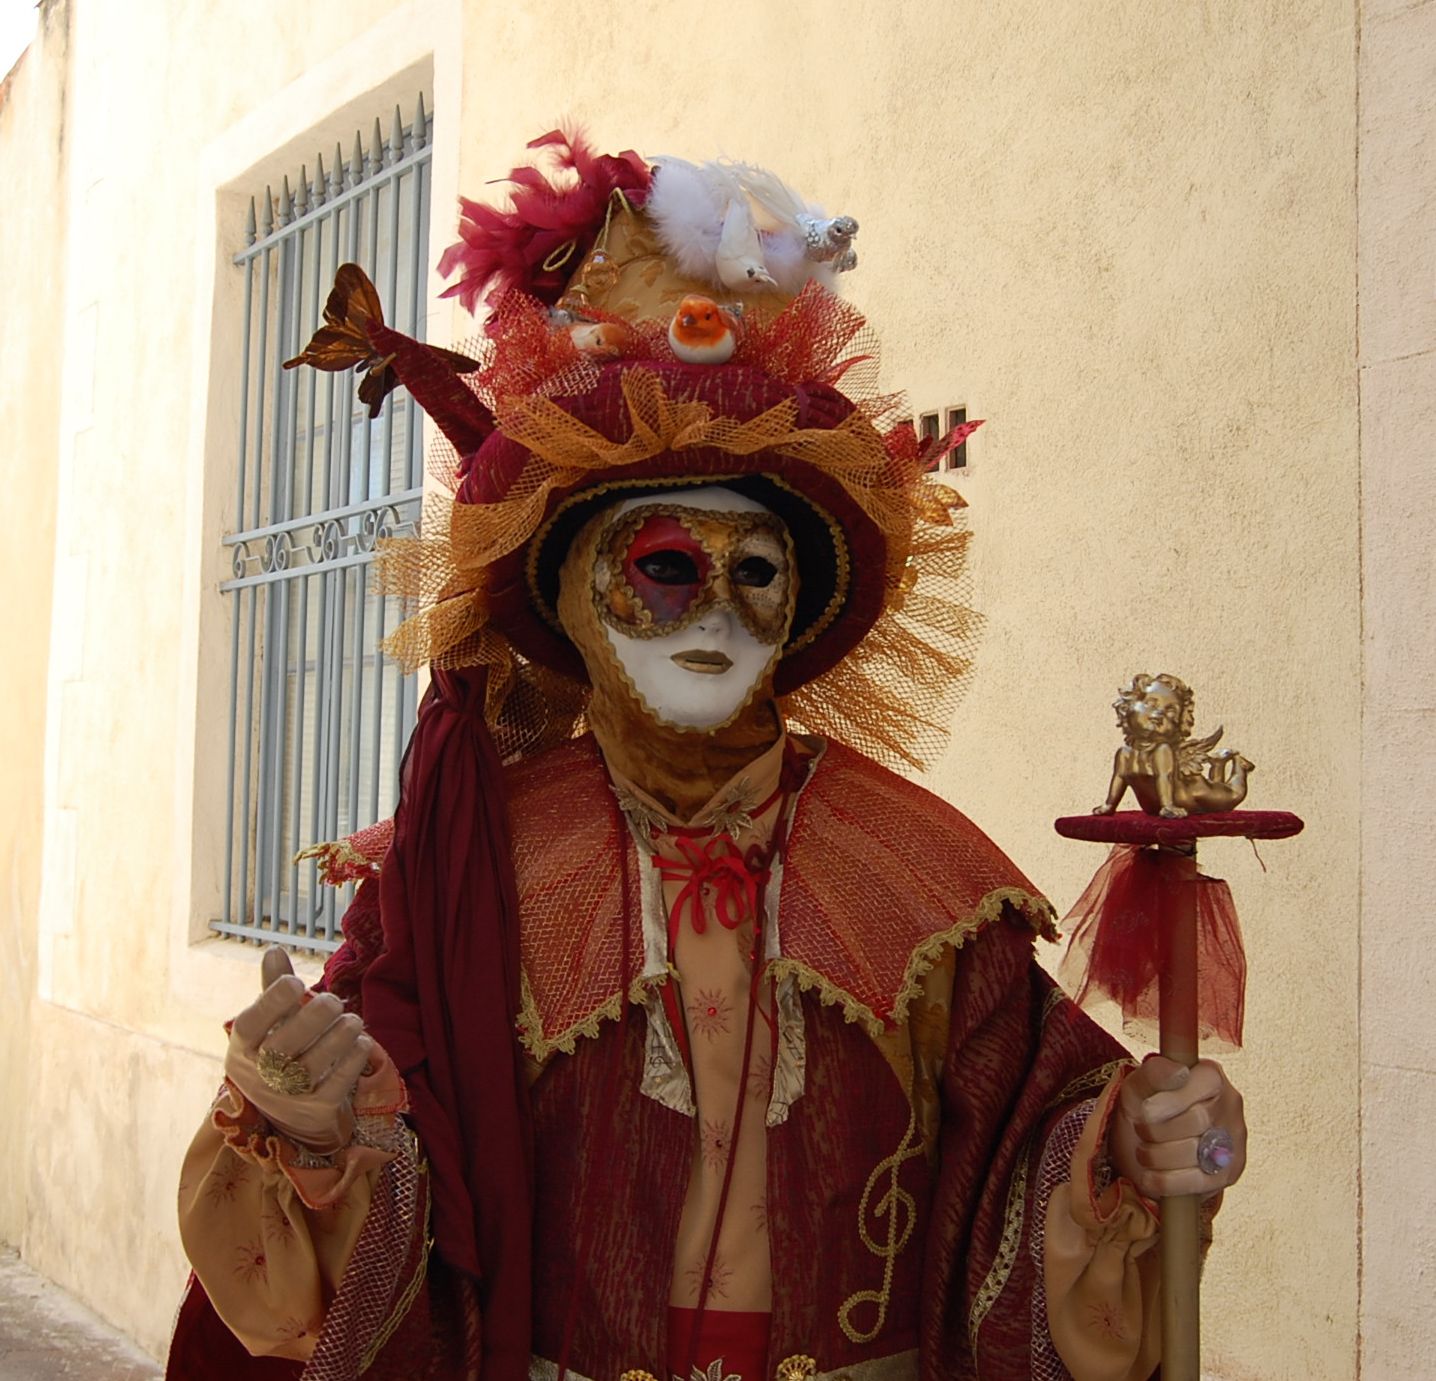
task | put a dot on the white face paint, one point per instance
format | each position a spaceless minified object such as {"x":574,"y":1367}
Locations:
{"x":700,"y":676}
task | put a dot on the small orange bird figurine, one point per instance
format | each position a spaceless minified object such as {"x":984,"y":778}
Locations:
{"x":601,"y":340}
{"x":702,"y":332}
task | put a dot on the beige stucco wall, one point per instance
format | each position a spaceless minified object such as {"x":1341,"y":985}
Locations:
{"x":168,"y":112}
{"x":1398,"y":423}
{"x":31,"y":350}
{"x":1125,"y":235}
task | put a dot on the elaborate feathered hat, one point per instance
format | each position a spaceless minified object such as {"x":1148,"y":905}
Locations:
{"x":657,"y":324}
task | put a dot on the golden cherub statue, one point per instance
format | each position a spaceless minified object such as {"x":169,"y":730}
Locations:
{"x":1170,"y":773}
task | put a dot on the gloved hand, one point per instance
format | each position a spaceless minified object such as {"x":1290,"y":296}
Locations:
{"x":1163,"y":1112}
{"x":298,"y":1038}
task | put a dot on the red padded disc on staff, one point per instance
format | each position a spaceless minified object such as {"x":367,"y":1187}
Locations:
{"x":1137,"y":827}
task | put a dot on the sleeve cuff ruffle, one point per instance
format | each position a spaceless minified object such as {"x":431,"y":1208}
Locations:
{"x":321,"y":1181}
{"x":1100,"y":1274}
{"x":1111,"y":1207}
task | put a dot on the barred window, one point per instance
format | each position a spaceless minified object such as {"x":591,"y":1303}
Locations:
{"x":318,"y":718}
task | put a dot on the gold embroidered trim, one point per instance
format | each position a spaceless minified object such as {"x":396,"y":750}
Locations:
{"x":799,"y":1367}
{"x":1007,"y":1246}
{"x":895,"y":1199}
{"x":810,"y":980}
{"x":1054,"y":1000}
{"x":1037,"y":911}
{"x":411,"y":1290}
{"x":1016,"y":1212}
{"x":334,"y":854}
{"x":530,"y":1019}
{"x":1094,"y":1079}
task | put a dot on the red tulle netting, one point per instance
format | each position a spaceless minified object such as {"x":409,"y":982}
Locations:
{"x":1118,"y":949}
{"x":816,"y":338}
{"x":892,"y":696}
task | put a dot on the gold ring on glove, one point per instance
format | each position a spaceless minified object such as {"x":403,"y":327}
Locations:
{"x":283,"y":1073}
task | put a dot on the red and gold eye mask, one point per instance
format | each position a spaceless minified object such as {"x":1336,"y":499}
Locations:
{"x":662,"y":566}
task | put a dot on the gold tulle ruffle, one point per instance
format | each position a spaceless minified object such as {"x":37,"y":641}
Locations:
{"x":891,"y":697}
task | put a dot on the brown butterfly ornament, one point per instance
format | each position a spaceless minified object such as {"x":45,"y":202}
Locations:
{"x":344,"y":341}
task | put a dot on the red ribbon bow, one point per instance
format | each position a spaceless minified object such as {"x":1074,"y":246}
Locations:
{"x":734,"y":884}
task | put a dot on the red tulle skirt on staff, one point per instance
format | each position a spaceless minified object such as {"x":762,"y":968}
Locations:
{"x":1119,"y":930}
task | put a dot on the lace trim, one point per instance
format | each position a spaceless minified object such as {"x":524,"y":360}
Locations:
{"x":370,"y":1303}
{"x":1063,"y":1134}
{"x":411,"y":1291}
{"x":1055,"y":1168}
{"x":1054,"y":1000}
{"x":1097,"y":1078}
{"x":1037,"y":911}
{"x":791,"y":1072}
{"x":1007,"y":1247}
{"x":665,"y":1077}
{"x":530,"y":1020}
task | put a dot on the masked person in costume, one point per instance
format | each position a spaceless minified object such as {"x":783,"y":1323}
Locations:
{"x":674,"y":1033}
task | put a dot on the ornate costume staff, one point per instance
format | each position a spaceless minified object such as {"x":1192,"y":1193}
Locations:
{"x":1156,"y":936}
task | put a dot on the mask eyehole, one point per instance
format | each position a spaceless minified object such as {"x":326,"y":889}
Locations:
{"x":669,"y":567}
{"x":756,"y":572}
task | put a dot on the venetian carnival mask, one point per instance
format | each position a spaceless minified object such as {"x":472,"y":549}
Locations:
{"x":695,"y":597}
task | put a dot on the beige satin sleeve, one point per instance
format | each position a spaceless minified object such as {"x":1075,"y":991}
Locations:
{"x":1099,"y":1267}
{"x":270,"y":1228}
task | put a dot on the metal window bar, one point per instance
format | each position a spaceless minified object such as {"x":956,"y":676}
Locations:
{"x":929,"y":429}
{"x":318,"y":718}
{"x":956,"y":459}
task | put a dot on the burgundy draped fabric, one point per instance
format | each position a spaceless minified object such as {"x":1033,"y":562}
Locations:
{"x":444,"y":396}
{"x":203,"y":1348}
{"x":442,"y":999}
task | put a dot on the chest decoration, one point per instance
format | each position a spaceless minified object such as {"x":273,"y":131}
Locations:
{"x":876,"y":880}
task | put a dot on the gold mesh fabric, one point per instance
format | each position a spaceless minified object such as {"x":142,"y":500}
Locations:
{"x":892,"y":697}
{"x":571,"y":851}
{"x":878,"y":885}
{"x":384,"y":1274}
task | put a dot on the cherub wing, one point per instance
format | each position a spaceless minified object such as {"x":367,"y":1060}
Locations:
{"x":1191,"y":753}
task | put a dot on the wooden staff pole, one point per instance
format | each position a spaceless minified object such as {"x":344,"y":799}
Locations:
{"x":1177,"y":1019}
{"x":1177,"y":992}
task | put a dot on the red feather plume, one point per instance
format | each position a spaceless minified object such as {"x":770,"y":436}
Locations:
{"x":499,"y":250}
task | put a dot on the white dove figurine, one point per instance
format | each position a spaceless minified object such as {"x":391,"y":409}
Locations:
{"x":739,"y":260}
{"x":740,"y":228}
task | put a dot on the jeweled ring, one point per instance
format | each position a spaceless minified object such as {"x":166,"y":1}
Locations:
{"x":283,"y":1073}
{"x":1215,"y":1150}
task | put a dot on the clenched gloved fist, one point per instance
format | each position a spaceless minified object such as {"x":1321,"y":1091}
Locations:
{"x":297,"y":1058}
{"x":1178,"y":1130}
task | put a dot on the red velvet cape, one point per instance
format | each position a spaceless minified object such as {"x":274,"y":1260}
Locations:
{"x":1019,"y":1056}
